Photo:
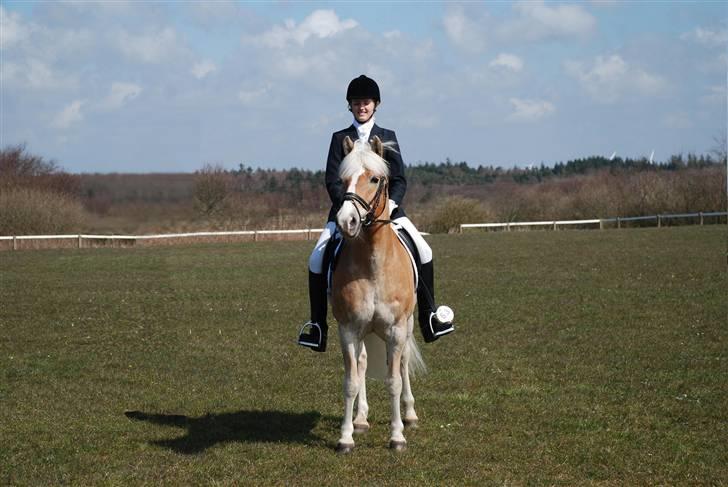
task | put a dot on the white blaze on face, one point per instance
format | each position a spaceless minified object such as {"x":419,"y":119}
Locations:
{"x":348,"y":217}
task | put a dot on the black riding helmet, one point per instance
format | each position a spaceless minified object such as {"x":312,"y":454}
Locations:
{"x":363,"y":87}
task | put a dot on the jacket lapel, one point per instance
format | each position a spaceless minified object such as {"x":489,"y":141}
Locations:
{"x":376,"y":130}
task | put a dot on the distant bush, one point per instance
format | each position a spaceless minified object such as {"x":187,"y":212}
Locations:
{"x":29,"y":211}
{"x":447,"y":217}
{"x":19,"y":169}
{"x":36,"y":197}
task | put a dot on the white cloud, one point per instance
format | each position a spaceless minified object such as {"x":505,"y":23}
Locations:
{"x":39,"y":74}
{"x":70,"y":115}
{"x":525,"y":110}
{"x":35,"y":74}
{"x":28,"y":39}
{"x":151,"y":48}
{"x":707,"y":37}
{"x":203,"y":68}
{"x":120,"y":95}
{"x":466,"y":29}
{"x":508,"y":61}
{"x":610,"y":78}
{"x":321,"y":24}
{"x":12,"y":30}
{"x":471,"y":28}
{"x":539,"y":21}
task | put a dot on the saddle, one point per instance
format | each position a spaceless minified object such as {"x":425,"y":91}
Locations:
{"x":337,"y":242}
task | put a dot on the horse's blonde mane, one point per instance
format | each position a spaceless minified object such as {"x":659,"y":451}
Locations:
{"x":362,"y":156}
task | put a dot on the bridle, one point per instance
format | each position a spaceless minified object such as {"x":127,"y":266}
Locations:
{"x":371,"y":207}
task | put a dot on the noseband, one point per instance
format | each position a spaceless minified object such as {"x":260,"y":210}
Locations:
{"x":370,"y":207}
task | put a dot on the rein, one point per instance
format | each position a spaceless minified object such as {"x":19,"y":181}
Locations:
{"x":370,"y":207}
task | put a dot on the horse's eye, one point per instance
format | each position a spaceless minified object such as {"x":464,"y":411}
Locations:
{"x":374,"y":180}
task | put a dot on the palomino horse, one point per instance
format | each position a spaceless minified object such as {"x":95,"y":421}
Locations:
{"x":372,"y":292}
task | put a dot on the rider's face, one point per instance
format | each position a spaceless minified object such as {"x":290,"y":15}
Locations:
{"x":362,"y":108}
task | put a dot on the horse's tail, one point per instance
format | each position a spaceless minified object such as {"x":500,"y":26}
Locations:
{"x":416,"y":362}
{"x":377,"y":357}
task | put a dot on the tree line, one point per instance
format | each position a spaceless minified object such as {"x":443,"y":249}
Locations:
{"x":37,"y":196}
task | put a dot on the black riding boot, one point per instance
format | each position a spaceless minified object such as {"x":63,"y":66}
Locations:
{"x":313,"y":334}
{"x":430,"y":325}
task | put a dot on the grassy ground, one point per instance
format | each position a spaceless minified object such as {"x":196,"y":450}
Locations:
{"x":580,"y":358}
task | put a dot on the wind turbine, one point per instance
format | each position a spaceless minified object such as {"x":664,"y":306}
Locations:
{"x":652,"y":155}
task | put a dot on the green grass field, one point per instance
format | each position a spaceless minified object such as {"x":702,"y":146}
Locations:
{"x":581,"y":357}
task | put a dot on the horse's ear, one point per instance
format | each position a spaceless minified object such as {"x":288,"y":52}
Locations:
{"x":377,"y":146}
{"x":348,"y":145}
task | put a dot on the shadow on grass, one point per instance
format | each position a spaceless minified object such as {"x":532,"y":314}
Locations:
{"x":242,"y":426}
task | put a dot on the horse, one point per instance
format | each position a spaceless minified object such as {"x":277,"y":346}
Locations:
{"x":373,"y":293}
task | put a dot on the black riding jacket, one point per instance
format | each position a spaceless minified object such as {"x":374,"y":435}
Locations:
{"x":335,"y":186}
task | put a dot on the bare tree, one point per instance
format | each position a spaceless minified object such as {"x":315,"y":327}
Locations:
{"x":211,"y":189}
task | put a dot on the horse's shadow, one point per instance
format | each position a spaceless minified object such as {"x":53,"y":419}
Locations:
{"x":242,"y":426}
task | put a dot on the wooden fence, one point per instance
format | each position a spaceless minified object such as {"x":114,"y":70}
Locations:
{"x":82,"y":240}
{"x":601,"y":222}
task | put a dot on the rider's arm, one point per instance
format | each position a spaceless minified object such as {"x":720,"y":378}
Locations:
{"x":397,"y":181}
{"x":334,"y":185}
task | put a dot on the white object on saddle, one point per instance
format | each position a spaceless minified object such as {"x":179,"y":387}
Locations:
{"x":397,"y":227}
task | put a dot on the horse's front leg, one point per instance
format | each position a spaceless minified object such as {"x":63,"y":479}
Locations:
{"x":349,"y":349}
{"x":395,"y":347}
{"x":361,"y":424}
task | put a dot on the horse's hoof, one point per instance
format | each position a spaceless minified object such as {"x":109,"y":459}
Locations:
{"x":411,"y":423}
{"x":397,"y":445}
{"x":361,"y":427}
{"x":344,"y":448}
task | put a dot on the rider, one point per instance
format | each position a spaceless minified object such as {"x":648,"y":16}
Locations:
{"x":363,"y":98}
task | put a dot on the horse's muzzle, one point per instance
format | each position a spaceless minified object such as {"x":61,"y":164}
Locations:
{"x":348,"y":220}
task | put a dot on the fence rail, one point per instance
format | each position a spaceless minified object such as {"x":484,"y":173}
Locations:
{"x":306,"y":233}
{"x":600,"y":221}
{"x":309,"y":233}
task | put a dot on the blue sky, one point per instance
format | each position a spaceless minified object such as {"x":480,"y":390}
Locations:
{"x":170,"y":86}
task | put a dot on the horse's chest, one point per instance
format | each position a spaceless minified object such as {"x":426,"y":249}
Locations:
{"x":362,"y":302}
{"x":366,"y":290}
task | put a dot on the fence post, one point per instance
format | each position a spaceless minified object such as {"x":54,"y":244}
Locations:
{"x":701,"y":218}
{"x":15,"y":243}
{"x":508,"y":227}
{"x":601,"y":224}
{"x":255,"y":236}
{"x":554,"y":225}
{"x":659,"y":221}
{"x":619,"y":223}
{"x":79,"y":241}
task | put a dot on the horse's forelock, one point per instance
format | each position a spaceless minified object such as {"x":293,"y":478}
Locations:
{"x":362,"y":156}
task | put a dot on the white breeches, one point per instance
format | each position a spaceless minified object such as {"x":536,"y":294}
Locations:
{"x":316,"y":261}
